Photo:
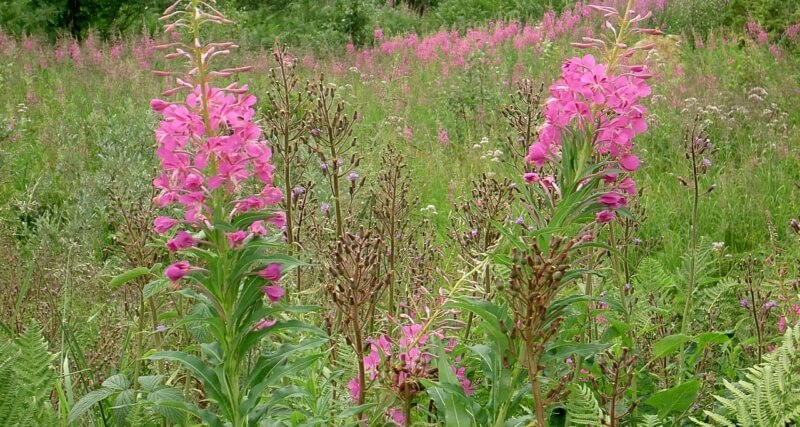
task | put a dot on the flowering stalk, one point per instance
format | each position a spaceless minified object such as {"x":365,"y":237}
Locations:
{"x":331,"y":140}
{"x":287,"y":125}
{"x":697,"y":145}
{"x":579,"y":177}
{"x":212,"y":159}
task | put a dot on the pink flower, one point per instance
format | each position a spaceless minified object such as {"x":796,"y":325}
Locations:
{"x":397,"y":416}
{"x":274,"y":293}
{"x":378,"y":33}
{"x":158,"y":105}
{"x":236,"y":237}
{"x":272,"y":272}
{"x":605,"y":216}
{"x":258,"y":229}
{"x":531,"y":177}
{"x":537,"y":154}
{"x":466,"y":384}
{"x":176,"y":271}
{"x":782,"y":324}
{"x":163,"y":224}
{"x":182,"y":240}
{"x":613,"y":200}
{"x":264,"y":323}
{"x":628,"y":185}
{"x":384,"y":344}
{"x":355,"y":388}
{"x":278,"y":219}
{"x":629,"y":162}
{"x":444,"y":138}
{"x":408,"y":133}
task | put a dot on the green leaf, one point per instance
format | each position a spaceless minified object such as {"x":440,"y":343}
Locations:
{"x":448,"y":402}
{"x":150,"y":382}
{"x":196,"y":366}
{"x":87,"y":401}
{"x":355,"y":410}
{"x":676,"y":399}
{"x":122,"y":406}
{"x":117,"y":382}
{"x":565,"y":349}
{"x":164,"y":395}
{"x":669,"y":344}
{"x":128,"y":276}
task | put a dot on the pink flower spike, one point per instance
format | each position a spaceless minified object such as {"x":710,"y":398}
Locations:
{"x":163,"y":224}
{"x":274,"y":293}
{"x":176,"y":271}
{"x":272,"y":272}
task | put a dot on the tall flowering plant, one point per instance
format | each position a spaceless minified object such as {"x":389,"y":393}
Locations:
{"x":578,"y":178}
{"x":217,"y":183}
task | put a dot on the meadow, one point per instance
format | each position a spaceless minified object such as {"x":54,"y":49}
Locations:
{"x":480,"y":226}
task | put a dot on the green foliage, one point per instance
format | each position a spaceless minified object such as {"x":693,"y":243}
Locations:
{"x":768,"y":395}
{"x":353,"y":20}
{"x":27,"y":378}
{"x":774,"y":16}
{"x":131,"y":406}
{"x":676,"y":399}
{"x":693,"y":18}
{"x":52,"y":17}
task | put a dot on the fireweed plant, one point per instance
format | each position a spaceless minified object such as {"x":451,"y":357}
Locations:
{"x":216,"y":182}
{"x":578,"y":182}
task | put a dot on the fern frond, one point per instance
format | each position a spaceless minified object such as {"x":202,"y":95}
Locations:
{"x":769,"y":393}
{"x":651,"y":421}
{"x":27,"y":378}
{"x":582,"y":407}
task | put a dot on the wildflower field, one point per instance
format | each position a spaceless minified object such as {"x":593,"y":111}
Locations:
{"x":586,"y":217}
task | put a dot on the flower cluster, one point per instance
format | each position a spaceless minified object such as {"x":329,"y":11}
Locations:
{"x":404,"y":364}
{"x":214,"y":165}
{"x":605,"y":105}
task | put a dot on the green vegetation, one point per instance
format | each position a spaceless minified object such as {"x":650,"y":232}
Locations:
{"x":77,"y":162}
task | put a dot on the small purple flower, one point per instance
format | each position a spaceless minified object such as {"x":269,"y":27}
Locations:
{"x":323,"y":166}
{"x":706,"y":162}
{"x":161,"y":328}
{"x":474,"y":233}
{"x":744,"y":303}
{"x":325,"y":208}
{"x":637,"y":241}
{"x":769,"y":304}
{"x":298,"y":190}
{"x":520,"y":220}
{"x":316,"y":133}
{"x":353,"y":177}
